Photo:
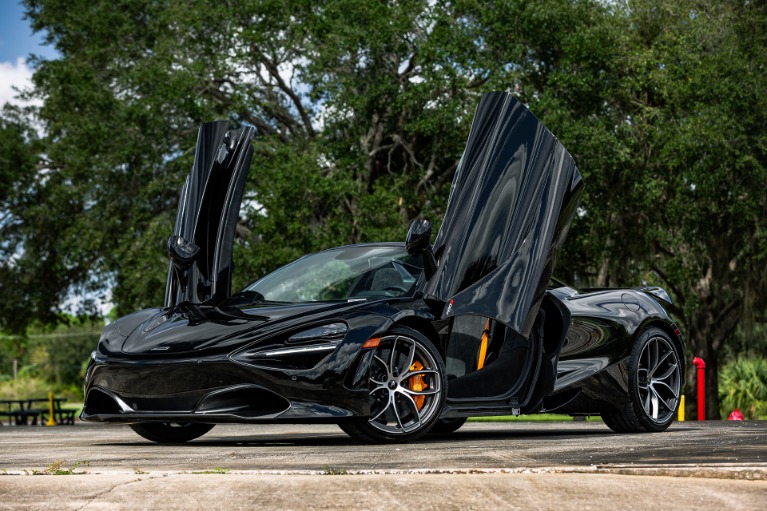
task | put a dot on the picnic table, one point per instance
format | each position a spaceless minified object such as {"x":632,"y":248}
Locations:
{"x":22,"y":412}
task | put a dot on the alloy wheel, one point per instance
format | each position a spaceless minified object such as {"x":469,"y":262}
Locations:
{"x":406,"y":386}
{"x":658,"y":380}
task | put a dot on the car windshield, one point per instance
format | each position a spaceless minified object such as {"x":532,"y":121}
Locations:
{"x":346,"y":273}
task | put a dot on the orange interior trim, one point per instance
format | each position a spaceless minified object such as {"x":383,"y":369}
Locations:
{"x":483,"y":346}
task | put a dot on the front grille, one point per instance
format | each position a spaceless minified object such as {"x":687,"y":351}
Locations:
{"x":181,"y":402}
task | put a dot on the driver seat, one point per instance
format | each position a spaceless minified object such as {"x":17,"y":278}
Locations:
{"x":386,"y":278}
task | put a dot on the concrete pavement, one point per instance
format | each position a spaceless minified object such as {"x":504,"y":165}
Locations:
{"x":572,"y":465}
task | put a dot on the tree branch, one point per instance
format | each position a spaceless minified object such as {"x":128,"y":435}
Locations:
{"x":273,"y":69}
{"x":664,"y":277}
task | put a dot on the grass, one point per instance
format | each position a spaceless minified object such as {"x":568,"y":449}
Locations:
{"x":217,"y":470}
{"x":334,"y":471}
{"x":57,"y":469}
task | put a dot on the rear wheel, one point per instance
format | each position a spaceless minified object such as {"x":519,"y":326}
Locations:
{"x":171,"y":432}
{"x":655,"y":385}
{"x":407,"y":382}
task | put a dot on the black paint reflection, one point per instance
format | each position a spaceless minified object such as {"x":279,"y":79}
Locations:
{"x":512,"y":200}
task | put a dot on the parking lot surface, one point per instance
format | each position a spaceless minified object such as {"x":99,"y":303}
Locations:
{"x":567,"y":465}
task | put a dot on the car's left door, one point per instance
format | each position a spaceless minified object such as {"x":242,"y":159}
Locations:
{"x":201,"y":246}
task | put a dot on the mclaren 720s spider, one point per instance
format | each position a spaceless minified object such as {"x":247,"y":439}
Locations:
{"x":392,"y":341}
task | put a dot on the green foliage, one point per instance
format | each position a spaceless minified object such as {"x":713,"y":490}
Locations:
{"x":743,"y":385}
{"x":57,"y":468}
{"x":217,"y":470}
{"x":23,"y":388}
{"x":48,"y":360}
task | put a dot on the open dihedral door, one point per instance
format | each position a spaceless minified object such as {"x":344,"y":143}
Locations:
{"x":201,"y":246}
{"x":513,"y":197}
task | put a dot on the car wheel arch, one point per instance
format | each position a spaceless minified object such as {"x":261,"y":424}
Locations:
{"x":669,"y":329}
{"x":424,"y":327}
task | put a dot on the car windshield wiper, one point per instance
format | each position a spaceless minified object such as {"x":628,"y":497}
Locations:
{"x":228,"y":312}
{"x":196,"y":312}
{"x":192,"y":310}
{"x":243,"y":298}
{"x":250,"y":298}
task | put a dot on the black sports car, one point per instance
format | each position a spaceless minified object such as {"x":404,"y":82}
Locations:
{"x":392,"y":340}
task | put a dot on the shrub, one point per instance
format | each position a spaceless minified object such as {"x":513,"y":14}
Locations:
{"x":24,"y":388}
{"x":743,"y":385}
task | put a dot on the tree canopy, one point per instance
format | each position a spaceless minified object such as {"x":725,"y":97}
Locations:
{"x":362,"y":110}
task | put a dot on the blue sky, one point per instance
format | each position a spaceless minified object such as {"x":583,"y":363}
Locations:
{"x":16,"y":38}
{"x":16,"y":44}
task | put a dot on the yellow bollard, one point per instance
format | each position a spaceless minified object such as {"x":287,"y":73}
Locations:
{"x":51,"y":420}
{"x":680,"y":413}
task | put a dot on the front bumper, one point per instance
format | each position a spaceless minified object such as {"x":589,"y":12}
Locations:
{"x":217,"y":390}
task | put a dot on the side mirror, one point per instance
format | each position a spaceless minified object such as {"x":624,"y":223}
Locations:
{"x":183,"y":254}
{"x":417,"y":239}
{"x":417,"y":243}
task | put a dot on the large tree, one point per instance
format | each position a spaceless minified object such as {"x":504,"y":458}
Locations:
{"x":360,"y":110}
{"x":675,"y":195}
{"x":703,"y":127}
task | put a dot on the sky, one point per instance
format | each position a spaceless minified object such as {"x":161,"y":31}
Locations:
{"x":17,"y":42}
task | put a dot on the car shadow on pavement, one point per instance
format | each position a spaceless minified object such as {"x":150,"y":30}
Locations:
{"x":293,"y":438}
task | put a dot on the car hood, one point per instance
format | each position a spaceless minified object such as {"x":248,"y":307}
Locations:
{"x":201,"y":245}
{"x":512,"y":199}
{"x":191,"y":329}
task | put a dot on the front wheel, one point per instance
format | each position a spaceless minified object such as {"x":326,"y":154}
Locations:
{"x":655,"y":386}
{"x":171,"y":432}
{"x":407,"y":389}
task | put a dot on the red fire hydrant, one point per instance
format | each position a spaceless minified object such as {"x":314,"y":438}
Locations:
{"x":736,"y":415}
{"x":701,"y":365}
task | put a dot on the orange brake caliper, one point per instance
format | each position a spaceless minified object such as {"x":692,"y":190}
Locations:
{"x":417,"y":384}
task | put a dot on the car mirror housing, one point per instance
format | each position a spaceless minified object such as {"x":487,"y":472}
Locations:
{"x":182,"y":253}
{"x":417,"y":243}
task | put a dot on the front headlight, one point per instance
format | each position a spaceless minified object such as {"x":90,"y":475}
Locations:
{"x":97,"y":357}
{"x":330,"y":332}
{"x":302,"y":350}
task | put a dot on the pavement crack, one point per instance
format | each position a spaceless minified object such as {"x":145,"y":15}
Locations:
{"x":113,"y":488}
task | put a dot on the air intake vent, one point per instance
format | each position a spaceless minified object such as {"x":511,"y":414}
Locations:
{"x":99,"y":402}
{"x":244,"y":401}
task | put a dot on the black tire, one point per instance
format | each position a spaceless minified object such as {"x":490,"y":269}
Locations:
{"x":408,"y":388}
{"x":655,"y":385}
{"x":447,"y":426}
{"x":171,"y":432}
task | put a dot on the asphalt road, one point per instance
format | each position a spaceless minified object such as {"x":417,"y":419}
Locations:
{"x":521,"y":465}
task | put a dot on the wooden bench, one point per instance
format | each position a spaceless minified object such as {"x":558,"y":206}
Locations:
{"x":64,"y":416}
{"x":41,"y":406}
{"x":14,"y":410}
{"x":24,"y":412}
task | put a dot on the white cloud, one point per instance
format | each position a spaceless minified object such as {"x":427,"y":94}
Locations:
{"x":13,"y":75}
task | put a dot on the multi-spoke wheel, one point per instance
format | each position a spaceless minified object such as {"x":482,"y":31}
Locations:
{"x":171,"y":432}
{"x":655,"y":385}
{"x":407,"y":389}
